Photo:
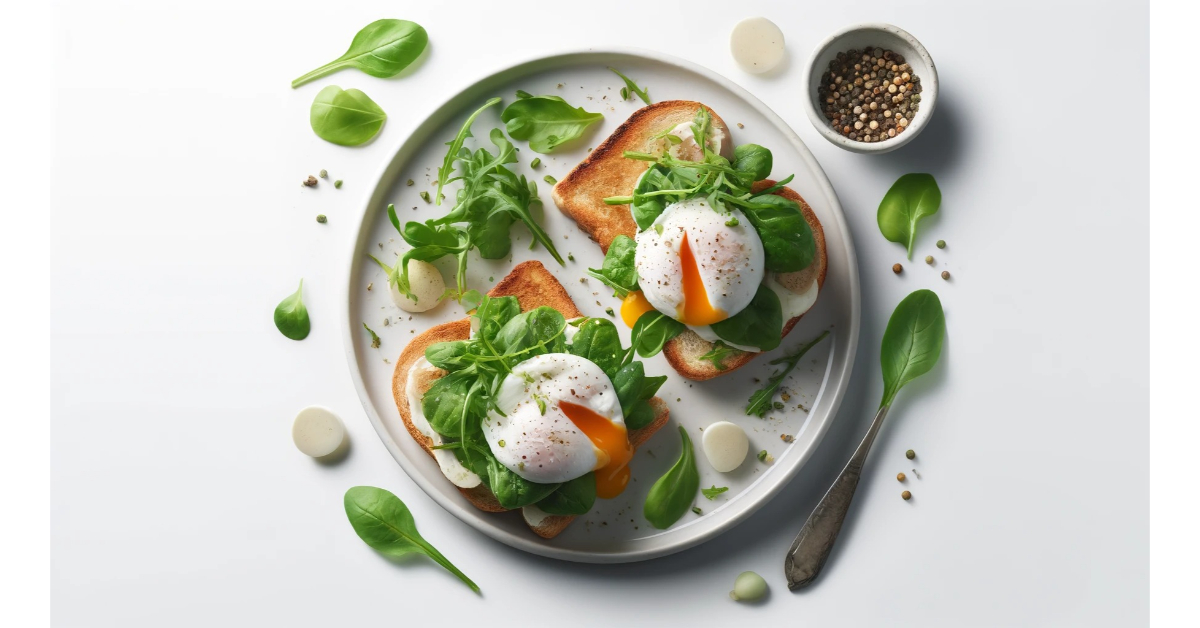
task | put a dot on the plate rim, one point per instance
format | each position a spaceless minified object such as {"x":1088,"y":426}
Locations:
{"x":536,"y":545}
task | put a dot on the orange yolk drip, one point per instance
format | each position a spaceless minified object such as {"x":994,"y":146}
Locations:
{"x":609,"y":438}
{"x":634,"y":305}
{"x":696,"y":308}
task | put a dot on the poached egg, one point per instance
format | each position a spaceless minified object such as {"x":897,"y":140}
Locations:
{"x":561,"y":419}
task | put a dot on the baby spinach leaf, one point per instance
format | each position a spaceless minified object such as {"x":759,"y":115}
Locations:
{"x":711,"y":493}
{"x":760,"y":401}
{"x":673,"y":493}
{"x":647,"y":207}
{"x":539,"y":326}
{"x":382,"y":48}
{"x":618,"y":271}
{"x":291,"y":317}
{"x":760,"y":324}
{"x":494,"y":313}
{"x":754,"y":159}
{"x":446,"y":403}
{"x":786,"y":236}
{"x":382,"y":521}
{"x":911,"y":198}
{"x":912,"y":341}
{"x":574,"y":497}
{"x":456,"y":144}
{"x":654,"y":329}
{"x":450,"y":355}
{"x":512,"y":490}
{"x":546,"y":122}
{"x":597,"y":340}
{"x":633,"y":386}
{"x":632,"y":88}
{"x":345,"y":117}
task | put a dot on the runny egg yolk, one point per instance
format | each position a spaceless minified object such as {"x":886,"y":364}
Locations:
{"x":696,"y":309}
{"x":634,"y":305}
{"x":611,"y":439}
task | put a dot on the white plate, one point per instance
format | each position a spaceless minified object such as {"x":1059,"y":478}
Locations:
{"x":614,"y":531}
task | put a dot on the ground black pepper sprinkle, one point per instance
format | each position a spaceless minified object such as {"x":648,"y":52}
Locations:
{"x":869,"y":95}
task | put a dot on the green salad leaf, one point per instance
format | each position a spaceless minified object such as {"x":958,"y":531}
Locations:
{"x":456,"y":144}
{"x":787,"y":238}
{"x":574,"y":497}
{"x":345,"y":117}
{"x":632,"y":88}
{"x":718,"y":353}
{"x":912,"y":341}
{"x":291,"y":317}
{"x":618,"y":271}
{"x":546,"y":122}
{"x":382,"y":521}
{"x":760,"y":401}
{"x":457,"y":403}
{"x":382,"y":48}
{"x":671,"y":496}
{"x":911,"y":198}
{"x":754,"y":159}
{"x":759,"y":324}
{"x":653,"y":330}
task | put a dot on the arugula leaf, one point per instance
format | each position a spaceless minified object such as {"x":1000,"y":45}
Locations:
{"x":760,"y":401}
{"x":671,"y":496}
{"x":632,"y":88}
{"x":374,"y":337}
{"x":759,"y":325}
{"x":455,"y":144}
{"x":345,"y":117}
{"x":912,"y":341}
{"x":382,"y":48}
{"x":546,"y":122}
{"x":382,"y":521}
{"x":653,"y":330}
{"x":711,"y":493}
{"x":911,"y":198}
{"x":618,"y":271}
{"x":718,"y":353}
{"x":574,"y":497}
{"x":291,"y":317}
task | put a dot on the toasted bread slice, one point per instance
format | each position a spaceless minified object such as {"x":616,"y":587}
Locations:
{"x":533,"y":286}
{"x":605,"y":172}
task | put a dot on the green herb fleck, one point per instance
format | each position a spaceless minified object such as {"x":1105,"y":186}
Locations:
{"x":337,"y":184}
{"x":696,"y":509}
{"x":711,"y":493}
{"x":410,"y":183}
{"x":732,"y":222}
{"x":631,"y":87}
{"x":425,"y":196}
{"x":537,"y":161}
{"x":549,"y":179}
{"x":609,"y":311}
{"x":718,"y":353}
{"x":760,"y":401}
{"x":571,"y":256}
{"x":324,"y":174}
{"x":374,"y":336}
{"x":523,"y":94}
{"x":321,"y":218}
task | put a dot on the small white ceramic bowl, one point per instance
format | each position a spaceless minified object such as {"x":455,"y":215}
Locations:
{"x":861,"y":36}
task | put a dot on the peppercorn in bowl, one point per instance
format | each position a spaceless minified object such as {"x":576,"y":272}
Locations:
{"x":871,"y":88}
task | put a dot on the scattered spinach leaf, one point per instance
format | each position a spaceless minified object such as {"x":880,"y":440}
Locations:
{"x":546,"y":122}
{"x":291,"y":317}
{"x":382,"y":48}
{"x":632,"y":87}
{"x":671,"y":496}
{"x":912,"y":341}
{"x":760,"y":401}
{"x":634,"y":390}
{"x":385,"y":523}
{"x":345,"y":117}
{"x":754,"y":159}
{"x":711,"y":493}
{"x":651,"y":331}
{"x":911,"y":198}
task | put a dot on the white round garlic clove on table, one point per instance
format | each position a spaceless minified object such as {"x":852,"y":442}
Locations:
{"x":318,"y":432}
{"x":725,"y":445}
{"x":757,"y":45}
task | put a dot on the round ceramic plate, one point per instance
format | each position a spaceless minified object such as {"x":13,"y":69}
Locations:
{"x":614,"y":531}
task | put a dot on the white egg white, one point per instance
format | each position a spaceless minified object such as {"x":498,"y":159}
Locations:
{"x":729,"y":258}
{"x":536,"y":440}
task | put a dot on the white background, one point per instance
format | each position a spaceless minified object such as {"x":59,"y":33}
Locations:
{"x":179,"y":223}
